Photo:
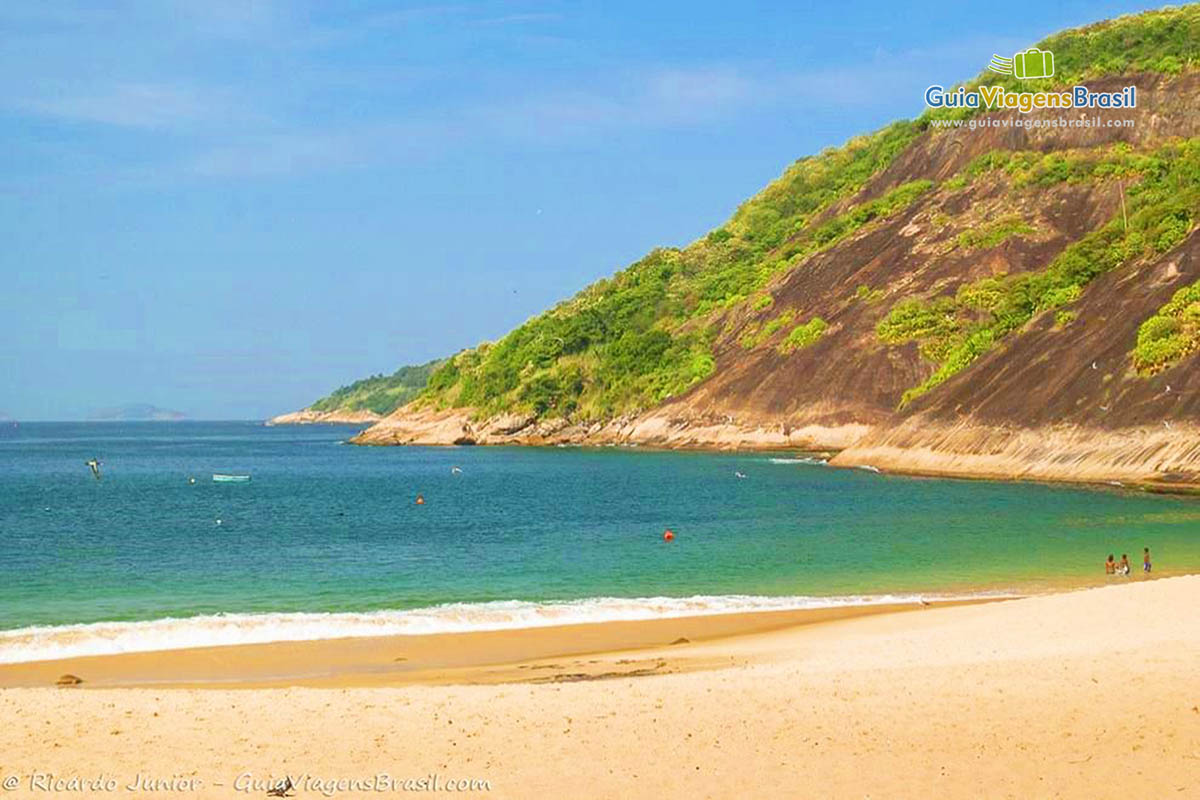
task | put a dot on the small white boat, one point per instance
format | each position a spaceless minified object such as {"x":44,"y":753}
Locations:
{"x":231,"y":478}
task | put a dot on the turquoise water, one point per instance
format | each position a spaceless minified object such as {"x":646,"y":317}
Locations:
{"x":325,"y":527}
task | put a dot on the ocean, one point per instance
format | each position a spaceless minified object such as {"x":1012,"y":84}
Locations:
{"x":327,"y":539}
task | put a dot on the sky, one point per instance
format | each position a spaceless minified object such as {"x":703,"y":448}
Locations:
{"x":232,"y":207}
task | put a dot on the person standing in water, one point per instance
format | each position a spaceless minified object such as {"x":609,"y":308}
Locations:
{"x":1146,"y":560}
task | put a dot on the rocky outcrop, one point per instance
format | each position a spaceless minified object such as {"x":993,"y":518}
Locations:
{"x":458,"y":427}
{"x":1166,"y":458}
{"x":307,"y":416}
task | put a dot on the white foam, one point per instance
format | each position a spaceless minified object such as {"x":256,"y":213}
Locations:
{"x":173,"y":633}
{"x":801,"y":460}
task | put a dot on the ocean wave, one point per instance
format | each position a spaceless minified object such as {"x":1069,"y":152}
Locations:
{"x":801,"y":460}
{"x":43,"y":643}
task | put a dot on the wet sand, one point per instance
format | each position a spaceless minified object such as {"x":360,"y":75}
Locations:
{"x":479,"y":657}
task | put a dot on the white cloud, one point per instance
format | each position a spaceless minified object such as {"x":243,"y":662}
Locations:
{"x":704,"y":89}
{"x":320,"y":150}
{"x":229,"y":19}
{"x":657,"y":98}
{"x":518,"y":19}
{"x":127,"y":105}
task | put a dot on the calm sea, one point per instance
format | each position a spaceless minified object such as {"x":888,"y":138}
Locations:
{"x":326,"y":539}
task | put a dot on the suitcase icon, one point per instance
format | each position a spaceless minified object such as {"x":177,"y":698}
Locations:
{"x":1033,"y":63}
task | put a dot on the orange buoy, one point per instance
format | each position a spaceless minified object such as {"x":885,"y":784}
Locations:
{"x":668,"y":535}
{"x":420,"y":499}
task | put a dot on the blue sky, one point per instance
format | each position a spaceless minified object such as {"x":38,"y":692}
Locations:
{"x":230,"y":208}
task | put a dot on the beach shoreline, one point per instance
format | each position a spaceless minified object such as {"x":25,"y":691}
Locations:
{"x":496,"y":652}
{"x":593,"y":649}
{"x":1079,"y":694}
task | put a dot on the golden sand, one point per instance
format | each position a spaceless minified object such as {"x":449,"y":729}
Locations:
{"x":1092,"y":693}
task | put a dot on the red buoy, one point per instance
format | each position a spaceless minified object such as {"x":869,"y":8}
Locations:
{"x":668,"y":535}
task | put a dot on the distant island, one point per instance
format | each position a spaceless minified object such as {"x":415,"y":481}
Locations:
{"x":136,"y":412}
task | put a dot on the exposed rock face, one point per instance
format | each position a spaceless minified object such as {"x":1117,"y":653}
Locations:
{"x":307,"y":416}
{"x":1166,"y":458}
{"x":1062,"y":404}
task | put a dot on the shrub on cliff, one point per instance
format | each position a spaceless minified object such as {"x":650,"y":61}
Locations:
{"x":1171,"y":334}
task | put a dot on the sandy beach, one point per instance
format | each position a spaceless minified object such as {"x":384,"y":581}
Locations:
{"x":1090,"y":693}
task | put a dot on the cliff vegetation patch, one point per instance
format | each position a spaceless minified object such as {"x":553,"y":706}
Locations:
{"x":1171,"y":334}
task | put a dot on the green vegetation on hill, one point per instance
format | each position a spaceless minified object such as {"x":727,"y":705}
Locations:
{"x":803,"y":335}
{"x":868,"y":295}
{"x":382,"y":394}
{"x":1171,"y":334}
{"x":626,"y":343}
{"x":755,"y":334}
{"x":953,"y":331}
{"x":1031,"y":168}
{"x":993,"y":233}
{"x":1165,"y":42}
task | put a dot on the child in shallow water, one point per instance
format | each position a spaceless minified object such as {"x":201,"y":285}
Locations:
{"x":1110,"y":566}
{"x":1123,"y":567}
{"x":1146,"y":559}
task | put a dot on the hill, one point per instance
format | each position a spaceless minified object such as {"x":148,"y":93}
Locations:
{"x":136,"y":412}
{"x":957,"y":294}
{"x":365,"y":400}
